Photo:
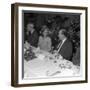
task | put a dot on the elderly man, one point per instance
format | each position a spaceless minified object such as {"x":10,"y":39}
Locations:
{"x":65,"y":47}
{"x":32,"y":36}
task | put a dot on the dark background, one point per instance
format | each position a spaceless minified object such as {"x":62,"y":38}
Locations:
{"x":55,"y":21}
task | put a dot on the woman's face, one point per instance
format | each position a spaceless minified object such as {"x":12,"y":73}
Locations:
{"x":45,"y":32}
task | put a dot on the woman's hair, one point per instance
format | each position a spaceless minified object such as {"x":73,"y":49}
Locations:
{"x":44,"y":29}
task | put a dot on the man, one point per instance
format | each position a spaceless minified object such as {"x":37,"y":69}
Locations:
{"x":65,"y":48}
{"x":32,"y":36}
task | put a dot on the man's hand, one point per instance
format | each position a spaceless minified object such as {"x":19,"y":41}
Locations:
{"x":55,"y":52}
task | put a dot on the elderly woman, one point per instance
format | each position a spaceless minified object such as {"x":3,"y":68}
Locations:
{"x":45,"y":41}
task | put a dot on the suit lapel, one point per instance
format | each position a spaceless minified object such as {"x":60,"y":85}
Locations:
{"x":63,"y":45}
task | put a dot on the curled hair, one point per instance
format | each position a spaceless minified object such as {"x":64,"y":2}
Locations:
{"x":46,"y":28}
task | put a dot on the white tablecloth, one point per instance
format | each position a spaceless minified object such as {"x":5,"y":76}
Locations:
{"x":44,"y":67}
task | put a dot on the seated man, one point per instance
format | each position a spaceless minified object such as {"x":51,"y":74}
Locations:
{"x":32,"y":36}
{"x":65,"y":48}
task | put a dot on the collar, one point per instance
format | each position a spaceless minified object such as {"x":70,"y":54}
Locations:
{"x":64,"y":40}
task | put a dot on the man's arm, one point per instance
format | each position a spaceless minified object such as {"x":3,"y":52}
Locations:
{"x":66,"y":51}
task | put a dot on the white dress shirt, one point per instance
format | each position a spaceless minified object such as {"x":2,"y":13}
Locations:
{"x":61,"y":44}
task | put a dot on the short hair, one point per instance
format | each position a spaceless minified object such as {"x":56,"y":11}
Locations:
{"x":30,"y":24}
{"x":64,"y":32}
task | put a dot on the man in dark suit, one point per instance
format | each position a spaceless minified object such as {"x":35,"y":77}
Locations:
{"x":65,"y":48}
{"x":32,"y":36}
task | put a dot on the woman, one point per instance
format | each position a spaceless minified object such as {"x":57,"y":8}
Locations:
{"x":45,"y":41}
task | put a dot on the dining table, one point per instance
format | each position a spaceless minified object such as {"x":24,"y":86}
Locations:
{"x":49,"y":65}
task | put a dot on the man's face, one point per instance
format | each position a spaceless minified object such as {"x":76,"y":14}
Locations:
{"x":60,"y":35}
{"x":30,"y":27}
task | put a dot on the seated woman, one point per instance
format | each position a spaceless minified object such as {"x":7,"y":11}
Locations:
{"x":45,"y":41}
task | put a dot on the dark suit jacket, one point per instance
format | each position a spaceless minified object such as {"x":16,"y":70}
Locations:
{"x":66,"y":50}
{"x":33,"y":39}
